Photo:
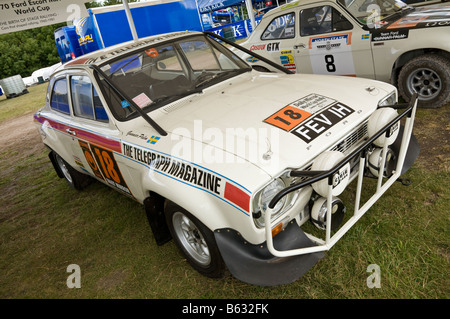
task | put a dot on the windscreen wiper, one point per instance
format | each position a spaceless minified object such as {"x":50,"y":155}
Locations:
{"x":221,"y":75}
{"x":172,"y":98}
{"x":133,"y":105}
{"x":251,"y":53}
{"x":121,"y":68}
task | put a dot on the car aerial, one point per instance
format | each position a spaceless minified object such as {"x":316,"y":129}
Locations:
{"x":228,"y":161}
{"x":384,"y":40}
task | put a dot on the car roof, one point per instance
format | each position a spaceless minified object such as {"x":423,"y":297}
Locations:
{"x":103,"y":55}
{"x":292,"y":5}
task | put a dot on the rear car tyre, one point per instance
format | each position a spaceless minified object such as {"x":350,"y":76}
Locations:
{"x":195,"y":241}
{"x":429,"y":76}
{"x":74,"y":178}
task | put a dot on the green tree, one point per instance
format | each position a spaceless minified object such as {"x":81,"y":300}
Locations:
{"x":24,"y":52}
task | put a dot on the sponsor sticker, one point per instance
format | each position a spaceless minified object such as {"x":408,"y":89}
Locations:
{"x":252,"y":59}
{"x":274,"y":46}
{"x":257,"y":47}
{"x":192,"y":175}
{"x":313,"y":103}
{"x":381,"y":35}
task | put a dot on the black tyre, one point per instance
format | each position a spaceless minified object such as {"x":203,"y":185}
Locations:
{"x":195,"y":241}
{"x":429,"y":76}
{"x":74,"y":178}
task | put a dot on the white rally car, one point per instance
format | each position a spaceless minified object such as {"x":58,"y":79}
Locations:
{"x":384,"y":40}
{"x":228,"y":161}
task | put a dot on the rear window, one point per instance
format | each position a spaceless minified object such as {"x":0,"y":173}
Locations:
{"x":85,"y":100}
{"x":281,"y":27}
{"x":59,"y":100}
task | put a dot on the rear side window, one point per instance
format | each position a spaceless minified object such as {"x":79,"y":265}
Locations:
{"x":282,"y":27}
{"x":85,"y":100}
{"x":59,"y":100}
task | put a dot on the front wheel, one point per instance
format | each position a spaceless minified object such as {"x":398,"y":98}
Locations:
{"x":195,"y":240}
{"x":429,"y":76}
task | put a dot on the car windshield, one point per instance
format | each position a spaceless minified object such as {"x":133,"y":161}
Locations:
{"x":165,"y":72}
{"x":368,"y":11}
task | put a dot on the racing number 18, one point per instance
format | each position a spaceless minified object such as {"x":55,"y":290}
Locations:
{"x":103,"y":164}
{"x":107,"y":165}
{"x":288,"y":117}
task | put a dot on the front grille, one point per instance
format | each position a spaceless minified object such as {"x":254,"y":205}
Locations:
{"x":352,"y":139}
{"x":347,"y":144}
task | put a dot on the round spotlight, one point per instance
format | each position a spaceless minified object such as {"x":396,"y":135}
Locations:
{"x":378,"y":120}
{"x":326,"y":161}
{"x":319,"y":213}
{"x":376,"y":158}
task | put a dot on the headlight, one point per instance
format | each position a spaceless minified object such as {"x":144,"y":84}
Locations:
{"x":391,"y":99}
{"x":268,"y":193}
{"x":265,"y":196}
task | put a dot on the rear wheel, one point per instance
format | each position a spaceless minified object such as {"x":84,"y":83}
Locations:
{"x":195,"y":241}
{"x":429,"y":76}
{"x":74,"y":178}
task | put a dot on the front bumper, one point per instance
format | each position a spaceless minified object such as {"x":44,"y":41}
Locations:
{"x":256,"y":265}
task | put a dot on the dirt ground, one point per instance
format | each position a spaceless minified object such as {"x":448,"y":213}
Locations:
{"x":20,"y":134}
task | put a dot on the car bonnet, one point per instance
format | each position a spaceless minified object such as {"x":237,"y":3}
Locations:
{"x":271,"y":120}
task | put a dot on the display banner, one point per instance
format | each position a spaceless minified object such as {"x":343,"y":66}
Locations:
{"x":17,"y":15}
{"x":240,"y":28}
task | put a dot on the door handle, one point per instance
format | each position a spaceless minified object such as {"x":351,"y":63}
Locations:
{"x":300,"y":46}
{"x":71,"y":132}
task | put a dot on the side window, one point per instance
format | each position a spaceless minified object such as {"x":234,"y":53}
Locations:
{"x":59,"y":100}
{"x":282,"y":27}
{"x":322,"y":19}
{"x":85,"y":100}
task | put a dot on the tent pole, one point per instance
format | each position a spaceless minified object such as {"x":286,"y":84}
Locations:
{"x":248,"y":4}
{"x":130,"y":19}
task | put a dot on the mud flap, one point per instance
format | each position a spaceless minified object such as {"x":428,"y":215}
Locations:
{"x":254,"y":264}
{"x":411,"y":154}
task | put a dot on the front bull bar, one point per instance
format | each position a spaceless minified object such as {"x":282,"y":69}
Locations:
{"x":323,"y":245}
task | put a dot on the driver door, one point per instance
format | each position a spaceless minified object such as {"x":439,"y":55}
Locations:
{"x":329,"y":43}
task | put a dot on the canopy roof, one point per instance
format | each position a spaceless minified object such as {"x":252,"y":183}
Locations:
{"x":212,"y":5}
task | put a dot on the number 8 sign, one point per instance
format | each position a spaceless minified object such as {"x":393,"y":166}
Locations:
{"x":332,"y":54}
